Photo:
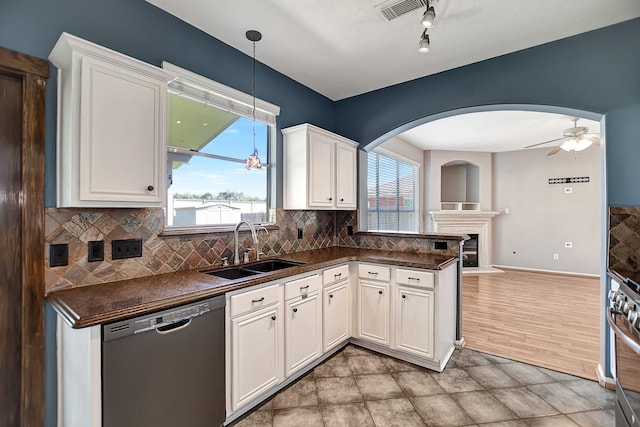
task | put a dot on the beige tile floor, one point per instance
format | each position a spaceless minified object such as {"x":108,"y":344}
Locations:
{"x":360,"y":388}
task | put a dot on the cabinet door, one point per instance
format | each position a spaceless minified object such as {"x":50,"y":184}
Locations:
{"x":256,"y":352}
{"x":345,"y":176}
{"x":373,"y":312}
{"x":121,"y":147}
{"x":415,"y":320}
{"x":321,"y":171}
{"x":337,"y":315}
{"x":303,"y":331}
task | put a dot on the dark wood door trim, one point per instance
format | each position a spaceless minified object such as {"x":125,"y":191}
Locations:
{"x":34,"y":72}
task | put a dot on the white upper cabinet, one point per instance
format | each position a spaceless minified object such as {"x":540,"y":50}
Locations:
{"x":111,"y":127}
{"x":319,"y":169}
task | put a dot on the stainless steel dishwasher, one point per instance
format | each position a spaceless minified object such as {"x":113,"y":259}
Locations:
{"x":166,"y":368}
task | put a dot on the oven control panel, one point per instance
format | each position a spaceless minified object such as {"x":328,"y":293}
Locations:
{"x":626,"y":306}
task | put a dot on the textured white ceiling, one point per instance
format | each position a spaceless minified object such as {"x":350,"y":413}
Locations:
{"x":493,"y":131}
{"x":342,"y":48}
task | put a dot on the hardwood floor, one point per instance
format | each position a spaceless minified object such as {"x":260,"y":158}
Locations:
{"x":544,"y":319}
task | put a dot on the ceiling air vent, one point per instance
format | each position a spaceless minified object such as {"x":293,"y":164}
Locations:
{"x":395,"y":8}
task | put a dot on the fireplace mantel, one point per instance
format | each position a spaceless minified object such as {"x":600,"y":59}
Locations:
{"x":467,"y":222}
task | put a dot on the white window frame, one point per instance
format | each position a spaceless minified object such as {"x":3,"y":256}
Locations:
{"x":192,"y":85}
{"x":364,"y":205}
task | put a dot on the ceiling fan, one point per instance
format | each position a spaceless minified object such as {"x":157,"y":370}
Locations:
{"x":576,"y":138}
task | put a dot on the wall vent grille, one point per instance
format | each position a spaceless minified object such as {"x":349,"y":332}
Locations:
{"x":394,"y":9}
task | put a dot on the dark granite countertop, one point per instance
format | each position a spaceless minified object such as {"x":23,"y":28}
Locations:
{"x":111,"y":302}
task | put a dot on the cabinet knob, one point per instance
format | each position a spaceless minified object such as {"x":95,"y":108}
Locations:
{"x":330,"y":295}
{"x":295,"y":310}
{"x":380,"y":292}
{"x":273,"y":317}
{"x":342,"y":200}
{"x":330,"y":198}
{"x":150,"y":188}
{"x":404,"y":296}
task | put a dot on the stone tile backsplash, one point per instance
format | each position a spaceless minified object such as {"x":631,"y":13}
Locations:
{"x":624,"y":239}
{"x":165,"y":254}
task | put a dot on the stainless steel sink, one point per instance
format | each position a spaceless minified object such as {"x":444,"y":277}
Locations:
{"x":248,"y":270}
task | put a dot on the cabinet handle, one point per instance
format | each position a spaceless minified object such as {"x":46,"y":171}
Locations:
{"x":413,"y":278}
{"x":330,"y":295}
{"x":295,"y":310}
{"x":304,"y":287}
{"x":373,"y":273}
{"x":337,"y":276}
{"x":150,"y":188}
{"x":273,"y":317}
{"x":257,"y":300}
{"x":404,"y":296}
{"x":380,"y":292}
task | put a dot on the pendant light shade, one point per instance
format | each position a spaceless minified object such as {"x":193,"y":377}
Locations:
{"x":253,"y":161}
{"x":423,"y":45}
{"x":429,"y":17}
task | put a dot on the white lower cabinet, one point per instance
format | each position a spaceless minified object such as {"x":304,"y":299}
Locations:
{"x":257,"y":354}
{"x":414,"y":321}
{"x":337,"y":314}
{"x":303,"y":331}
{"x":256,"y":344}
{"x":373,"y":311}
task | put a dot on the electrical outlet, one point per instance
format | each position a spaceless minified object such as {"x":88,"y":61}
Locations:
{"x":349,"y":230}
{"x":555,"y":257}
{"x":59,"y":255}
{"x":130,"y":248}
{"x":95,"y":250}
{"x":299,"y":233}
{"x":568,"y":245}
{"x":440,"y":245}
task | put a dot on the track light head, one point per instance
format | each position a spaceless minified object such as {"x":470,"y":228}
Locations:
{"x":423,"y":44}
{"x":429,"y":17}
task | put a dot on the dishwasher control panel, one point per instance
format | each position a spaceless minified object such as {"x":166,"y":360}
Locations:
{"x":153,"y":321}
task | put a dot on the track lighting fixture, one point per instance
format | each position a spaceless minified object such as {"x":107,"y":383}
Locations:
{"x":429,"y":16}
{"x":423,"y":45}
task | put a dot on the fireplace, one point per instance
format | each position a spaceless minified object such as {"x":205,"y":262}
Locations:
{"x":470,"y":251}
{"x":471,"y":223}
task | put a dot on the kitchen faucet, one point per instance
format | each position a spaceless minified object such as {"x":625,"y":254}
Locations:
{"x":254,"y":237}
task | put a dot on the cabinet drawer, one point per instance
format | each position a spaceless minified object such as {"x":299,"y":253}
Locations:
{"x":422,"y":279}
{"x":374,"y":272}
{"x":335,"y":274}
{"x":303,"y":286}
{"x":252,"y":300}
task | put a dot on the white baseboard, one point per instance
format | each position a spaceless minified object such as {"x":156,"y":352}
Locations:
{"x":603,"y":380}
{"x":539,"y":270}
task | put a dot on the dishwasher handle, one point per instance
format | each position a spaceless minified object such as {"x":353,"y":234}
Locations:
{"x":173,"y":327}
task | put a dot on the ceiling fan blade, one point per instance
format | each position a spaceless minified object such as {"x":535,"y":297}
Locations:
{"x":593,"y":139}
{"x":542,"y":143}
{"x":555,"y":150}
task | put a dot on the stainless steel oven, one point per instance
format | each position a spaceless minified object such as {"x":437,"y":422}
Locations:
{"x":623,"y":316}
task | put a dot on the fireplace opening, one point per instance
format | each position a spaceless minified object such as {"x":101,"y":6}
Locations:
{"x":470,"y":251}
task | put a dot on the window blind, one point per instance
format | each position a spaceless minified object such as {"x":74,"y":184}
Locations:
{"x":391,"y":194}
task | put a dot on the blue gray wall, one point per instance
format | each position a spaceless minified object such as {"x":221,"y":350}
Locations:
{"x":597,"y":72}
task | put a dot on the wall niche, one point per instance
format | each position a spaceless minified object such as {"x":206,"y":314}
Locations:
{"x":460,"y":186}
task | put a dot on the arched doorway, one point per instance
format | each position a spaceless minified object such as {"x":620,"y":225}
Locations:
{"x":600,"y":269}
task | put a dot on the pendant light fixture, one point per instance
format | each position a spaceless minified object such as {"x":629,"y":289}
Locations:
{"x":427,"y":21}
{"x":429,"y":16}
{"x":253,"y":162}
{"x":423,"y":45}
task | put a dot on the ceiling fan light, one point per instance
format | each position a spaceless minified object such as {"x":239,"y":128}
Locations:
{"x":423,"y":45}
{"x":429,"y":17}
{"x":582,"y":144}
{"x":569,"y":145}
